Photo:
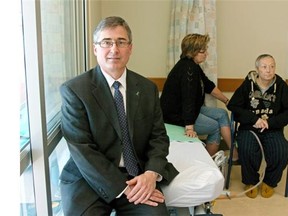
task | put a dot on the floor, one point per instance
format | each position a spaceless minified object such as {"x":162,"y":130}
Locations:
{"x":242,"y":205}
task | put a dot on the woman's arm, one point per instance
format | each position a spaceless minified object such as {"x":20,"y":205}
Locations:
{"x":219,"y":95}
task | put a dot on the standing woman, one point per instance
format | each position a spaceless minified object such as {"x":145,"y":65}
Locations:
{"x":182,"y":99}
{"x":260,"y":104}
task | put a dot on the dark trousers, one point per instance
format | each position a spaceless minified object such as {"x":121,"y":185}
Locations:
{"x":275,"y":151}
{"x":124,"y":208}
{"x":88,"y":203}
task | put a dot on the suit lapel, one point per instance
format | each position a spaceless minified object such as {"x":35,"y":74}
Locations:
{"x":105,"y":99}
{"x":133,"y":95}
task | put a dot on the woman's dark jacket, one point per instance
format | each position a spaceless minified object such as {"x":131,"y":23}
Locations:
{"x":184,"y":93}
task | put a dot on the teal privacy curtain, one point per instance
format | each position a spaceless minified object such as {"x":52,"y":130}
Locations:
{"x":194,"y":16}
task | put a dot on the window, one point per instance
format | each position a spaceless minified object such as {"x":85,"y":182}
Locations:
{"x":51,"y":34}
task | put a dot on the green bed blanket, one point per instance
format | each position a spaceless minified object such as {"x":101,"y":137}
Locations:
{"x":176,"y":133}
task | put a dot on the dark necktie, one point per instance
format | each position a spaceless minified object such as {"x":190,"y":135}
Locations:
{"x":130,"y":161}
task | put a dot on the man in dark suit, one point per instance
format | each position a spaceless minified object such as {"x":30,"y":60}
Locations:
{"x":96,"y":180}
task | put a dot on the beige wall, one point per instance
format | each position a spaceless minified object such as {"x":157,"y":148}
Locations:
{"x":245,"y":29}
{"x":94,"y":16}
{"x":149,"y":22}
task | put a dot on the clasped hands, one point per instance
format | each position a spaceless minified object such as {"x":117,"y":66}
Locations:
{"x":261,"y":124}
{"x":142,"y":190}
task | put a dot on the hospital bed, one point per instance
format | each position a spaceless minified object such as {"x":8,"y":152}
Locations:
{"x":199,"y":182}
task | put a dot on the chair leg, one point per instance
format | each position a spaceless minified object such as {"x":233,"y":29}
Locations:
{"x":207,"y":210}
{"x":286,"y":188}
{"x":230,"y":162}
{"x":233,"y":127}
{"x":192,"y":210}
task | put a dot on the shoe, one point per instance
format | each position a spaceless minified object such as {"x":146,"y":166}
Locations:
{"x":251,"y":193}
{"x":266,"y":190}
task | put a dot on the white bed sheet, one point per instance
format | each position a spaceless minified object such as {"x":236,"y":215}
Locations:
{"x":199,"y":180}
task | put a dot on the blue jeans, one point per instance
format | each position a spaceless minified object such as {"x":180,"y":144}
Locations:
{"x":209,"y":122}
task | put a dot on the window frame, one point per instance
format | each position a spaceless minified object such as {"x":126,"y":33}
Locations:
{"x":42,"y":143}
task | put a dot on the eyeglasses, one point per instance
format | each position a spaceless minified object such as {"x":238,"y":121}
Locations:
{"x":109,"y":43}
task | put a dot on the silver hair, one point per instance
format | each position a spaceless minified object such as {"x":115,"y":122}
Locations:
{"x":260,"y":57}
{"x":111,"y":22}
